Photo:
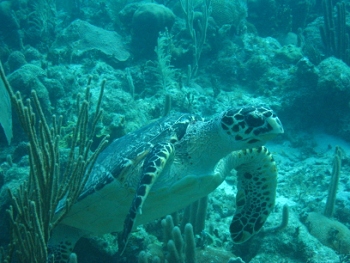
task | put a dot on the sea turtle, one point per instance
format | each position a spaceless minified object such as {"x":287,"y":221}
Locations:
{"x":171,"y":163}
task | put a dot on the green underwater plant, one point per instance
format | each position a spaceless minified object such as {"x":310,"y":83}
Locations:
{"x":197,"y":28}
{"x":32,"y":211}
{"x":165,"y":72}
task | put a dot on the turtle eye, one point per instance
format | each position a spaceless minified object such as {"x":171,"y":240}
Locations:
{"x":254,"y":120}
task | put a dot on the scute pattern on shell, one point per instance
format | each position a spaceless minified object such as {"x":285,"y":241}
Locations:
{"x":132,"y":148}
{"x":115,"y":162}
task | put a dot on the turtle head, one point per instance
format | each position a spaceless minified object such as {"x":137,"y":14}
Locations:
{"x":250,"y":126}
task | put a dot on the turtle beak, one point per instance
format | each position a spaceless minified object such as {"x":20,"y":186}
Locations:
{"x":276,"y":125}
{"x":275,"y":128}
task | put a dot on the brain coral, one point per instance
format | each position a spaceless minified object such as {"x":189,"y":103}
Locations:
{"x":148,"y":20}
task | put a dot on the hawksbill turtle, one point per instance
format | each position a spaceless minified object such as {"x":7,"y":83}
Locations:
{"x":170,"y":163}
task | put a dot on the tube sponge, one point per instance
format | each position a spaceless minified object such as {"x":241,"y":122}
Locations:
{"x":190,"y":248}
{"x":179,"y":249}
{"x":332,"y":193}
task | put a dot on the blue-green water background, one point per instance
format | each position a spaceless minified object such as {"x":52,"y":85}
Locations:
{"x":230,"y":54}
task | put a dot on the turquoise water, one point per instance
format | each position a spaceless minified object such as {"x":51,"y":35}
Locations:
{"x":198,"y":57}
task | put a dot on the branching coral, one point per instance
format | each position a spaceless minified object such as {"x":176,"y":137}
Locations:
{"x":32,"y":212}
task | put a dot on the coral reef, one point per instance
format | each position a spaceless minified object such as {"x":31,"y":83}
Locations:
{"x":196,"y":56}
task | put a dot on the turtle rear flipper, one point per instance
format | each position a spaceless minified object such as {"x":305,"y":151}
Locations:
{"x":157,"y":162}
{"x":257,"y":182}
{"x":62,"y":242}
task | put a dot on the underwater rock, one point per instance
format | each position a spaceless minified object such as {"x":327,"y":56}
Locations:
{"x":148,"y":20}
{"x":334,"y":91}
{"x":312,"y":34}
{"x":49,"y":90}
{"x":216,"y":255}
{"x":27,"y":78}
{"x":334,"y":75}
{"x":32,"y":54}
{"x":83,"y":40}
{"x":257,"y":66}
{"x":329,"y":232}
{"x":321,"y":90}
{"x":289,"y":53}
{"x":55,"y":89}
{"x":16,"y":60}
{"x":289,"y":39}
{"x":306,"y":71}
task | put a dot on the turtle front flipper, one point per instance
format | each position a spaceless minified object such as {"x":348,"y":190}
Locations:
{"x":157,"y":162}
{"x":255,"y":199}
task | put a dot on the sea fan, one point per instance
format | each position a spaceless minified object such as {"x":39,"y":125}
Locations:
{"x":231,"y":12}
